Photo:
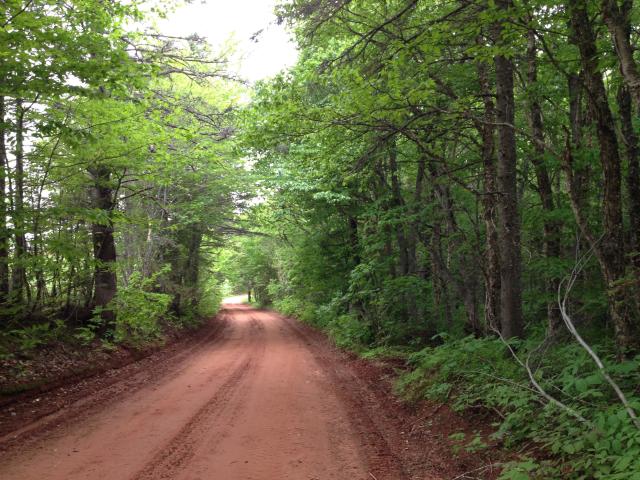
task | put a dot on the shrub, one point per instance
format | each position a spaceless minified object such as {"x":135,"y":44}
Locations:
{"x":139,"y":311}
{"x":349,"y":332}
{"x":293,"y":306}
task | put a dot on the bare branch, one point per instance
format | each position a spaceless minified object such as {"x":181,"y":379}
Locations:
{"x":562,"y":303}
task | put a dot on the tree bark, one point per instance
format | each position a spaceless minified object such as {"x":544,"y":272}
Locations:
{"x":509,"y":234}
{"x":415,"y":224}
{"x":354,"y":242}
{"x":4,"y":233}
{"x":19,"y":271}
{"x":617,"y":19}
{"x":465,"y":283}
{"x":489,"y":203}
{"x":192,"y":267}
{"x":441,"y":297}
{"x":610,"y":250}
{"x":104,"y":247}
{"x":398,"y":202}
{"x":630,"y":139}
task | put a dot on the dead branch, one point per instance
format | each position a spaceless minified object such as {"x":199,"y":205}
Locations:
{"x":562,"y":303}
{"x":538,"y":387}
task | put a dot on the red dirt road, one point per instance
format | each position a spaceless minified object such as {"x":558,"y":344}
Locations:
{"x":260,"y":399}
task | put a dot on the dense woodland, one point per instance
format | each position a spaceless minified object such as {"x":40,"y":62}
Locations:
{"x":116,"y":173}
{"x":453,"y":183}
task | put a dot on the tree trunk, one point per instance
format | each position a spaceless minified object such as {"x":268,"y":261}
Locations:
{"x":617,"y":19}
{"x":19,"y":273}
{"x":352,"y":225}
{"x":577,"y":119}
{"x":551,"y":229}
{"x":4,"y":233}
{"x":104,"y":247}
{"x":630,"y":139}
{"x":192,"y":267}
{"x":489,"y":204}
{"x":509,"y":233}
{"x":466,"y":282}
{"x":398,"y":203}
{"x":356,"y":306}
{"x":610,"y":249}
{"x":415,"y":224}
{"x":632,"y":149}
{"x":406,"y":249}
{"x":441,"y":295}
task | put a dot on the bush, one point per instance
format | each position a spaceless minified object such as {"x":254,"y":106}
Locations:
{"x":139,"y":311}
{"x":210,"y":298}
{"x":347,"y":331}
{"x":295,"y":307}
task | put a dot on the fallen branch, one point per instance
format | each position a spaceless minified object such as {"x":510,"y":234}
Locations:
{"x":538,"y":387}
{"x":562,"y":303}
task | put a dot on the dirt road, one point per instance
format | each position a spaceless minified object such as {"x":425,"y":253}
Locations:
{"x":257,"y":399}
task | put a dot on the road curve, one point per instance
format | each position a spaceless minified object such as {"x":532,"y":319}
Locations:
{"x":254,"y":402}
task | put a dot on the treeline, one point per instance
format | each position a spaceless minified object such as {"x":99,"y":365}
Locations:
{"x":459,"y":176}
{"x":116,"y":171}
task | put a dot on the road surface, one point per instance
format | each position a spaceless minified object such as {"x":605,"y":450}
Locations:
{"x":256,"y":399}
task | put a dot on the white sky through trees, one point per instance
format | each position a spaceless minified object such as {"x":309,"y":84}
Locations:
{"x":239,"y":20}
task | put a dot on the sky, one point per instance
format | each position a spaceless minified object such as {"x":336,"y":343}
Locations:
{"x":220,"y":20}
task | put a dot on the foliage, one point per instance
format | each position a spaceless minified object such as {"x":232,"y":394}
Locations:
{"x":481,"y":372}
{"x":139,"y":310}
{"x":401,"y":206}
{"x":26,"y":340}
{"x":421,"y":180}
{"x":118,"y":174}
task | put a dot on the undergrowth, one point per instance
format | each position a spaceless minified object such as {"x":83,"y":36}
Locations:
{"x":143,"y":317}
{"x":473,"y":372}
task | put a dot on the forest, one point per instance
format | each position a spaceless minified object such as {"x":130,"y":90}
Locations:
{"x":451,"y":184}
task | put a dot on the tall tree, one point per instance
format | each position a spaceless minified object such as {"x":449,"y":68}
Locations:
{"x":509,"y":234}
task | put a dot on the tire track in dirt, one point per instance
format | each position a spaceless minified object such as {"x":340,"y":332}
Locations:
{"x":181,"y":448}
{"x":292,"y":425}
{"x":262,"y":401}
